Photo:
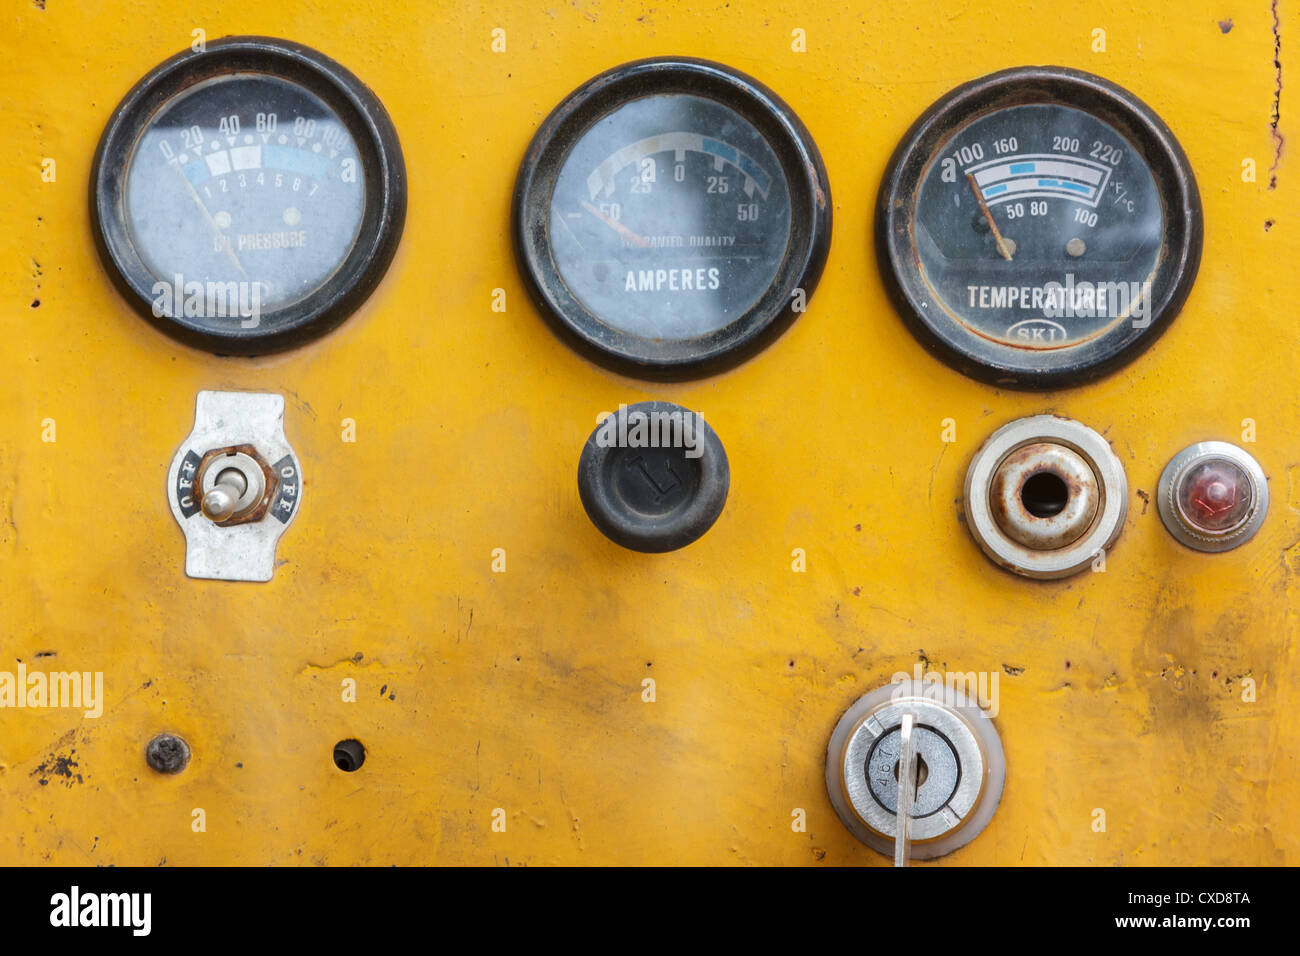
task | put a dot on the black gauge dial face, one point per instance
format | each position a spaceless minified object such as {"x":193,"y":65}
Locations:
{"x":248,"y":197}
{"x":1040,"y":229}
{"x":671,"y":218}
{"x":246,"y":179}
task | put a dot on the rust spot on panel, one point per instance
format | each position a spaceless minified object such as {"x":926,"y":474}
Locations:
{"x":817,"y":186}
{"x":1279,"y":141}
{"x":60,"y":767}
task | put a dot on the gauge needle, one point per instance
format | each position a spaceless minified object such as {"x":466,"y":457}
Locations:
{"x":617,"y":226}
{"x":208,"y":216}
{"x":984,"y":208}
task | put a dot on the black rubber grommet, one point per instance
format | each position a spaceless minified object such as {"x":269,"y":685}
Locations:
{"x":653,"y":477}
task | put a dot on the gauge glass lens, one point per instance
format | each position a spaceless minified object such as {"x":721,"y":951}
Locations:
{"x":247,"y":179}
{"x":670,"y":217}
{"x":1039,"y":226}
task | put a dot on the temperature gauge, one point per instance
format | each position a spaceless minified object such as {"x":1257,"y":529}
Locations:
{"x":671,"y":217}
{"x":249,"y":196}
{"x":1039,"y":227}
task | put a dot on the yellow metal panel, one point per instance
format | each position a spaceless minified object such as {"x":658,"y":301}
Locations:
{"x":523,"y":690}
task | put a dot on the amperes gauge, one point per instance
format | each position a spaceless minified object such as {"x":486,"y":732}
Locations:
{"x":249,"y":196}
{"x":1038,"y":228}
{"x":671,"y":217}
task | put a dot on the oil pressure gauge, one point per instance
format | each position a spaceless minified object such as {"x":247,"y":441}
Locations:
{"x":671,"y":217}
{"x":1038,"y":228}
{"x":249,"y":196}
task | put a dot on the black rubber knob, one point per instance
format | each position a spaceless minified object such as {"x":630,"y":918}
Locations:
{"x":653,"y":476}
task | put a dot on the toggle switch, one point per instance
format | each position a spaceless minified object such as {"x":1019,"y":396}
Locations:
{"x":219,"y":503}
{"x":234,"y":486}
{"x":233,"y":483}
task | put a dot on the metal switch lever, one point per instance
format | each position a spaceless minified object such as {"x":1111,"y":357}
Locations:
{"x":219,"y":503}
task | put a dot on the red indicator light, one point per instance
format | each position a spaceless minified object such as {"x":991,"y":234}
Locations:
{"x":1215,"y":496}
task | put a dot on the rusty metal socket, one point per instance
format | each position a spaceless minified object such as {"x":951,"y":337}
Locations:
{"x":1044,"y":495}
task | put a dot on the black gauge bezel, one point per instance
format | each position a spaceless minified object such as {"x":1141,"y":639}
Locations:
{"x":377,"y":148}
{"x":981,"y":358}
{"x":805,"y":255}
